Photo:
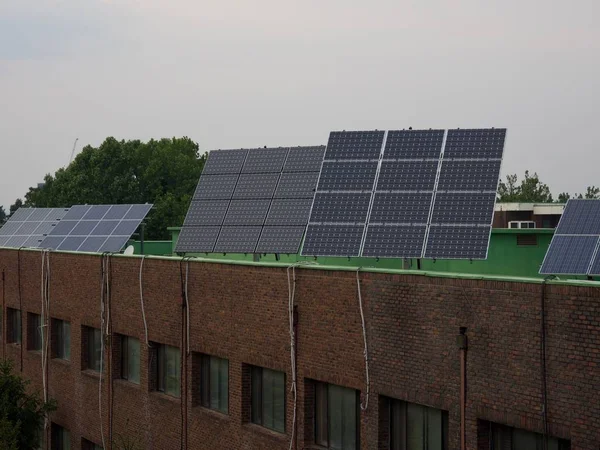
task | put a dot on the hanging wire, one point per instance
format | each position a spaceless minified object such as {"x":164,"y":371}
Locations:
{"x":366,"y":352}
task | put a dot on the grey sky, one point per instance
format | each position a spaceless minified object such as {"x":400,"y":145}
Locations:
{"x":271,"y":72}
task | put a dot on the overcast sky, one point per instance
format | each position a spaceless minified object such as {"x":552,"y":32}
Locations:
{"x":275,"y":72}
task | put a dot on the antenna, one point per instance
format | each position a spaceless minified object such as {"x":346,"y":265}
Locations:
{"x":73,"y":151}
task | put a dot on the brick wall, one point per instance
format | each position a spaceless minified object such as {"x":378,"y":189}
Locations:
{"x":240,"y":313}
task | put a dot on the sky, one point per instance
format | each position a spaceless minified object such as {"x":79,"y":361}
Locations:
{"x":232,"y":74}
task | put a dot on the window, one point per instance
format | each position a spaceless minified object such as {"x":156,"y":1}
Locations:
{"x":34,"y":340}
{"x":13,"y":317}
{"x":130,"y":359}
{"x":336,"y":417}
{"x":214,"y":383}
{"x":526,"y":240}
{"x":417,"y":427}
{"x":89,"y":445}
{"x":268,"y":398}
{"x":168,"y":369}
{"x":503,"y":437}
{"x":93,"y":349}
{"x":61,"y":331}
{"x":61,"y":438}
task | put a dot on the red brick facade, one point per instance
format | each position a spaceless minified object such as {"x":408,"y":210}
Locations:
{"x":240,"y":312}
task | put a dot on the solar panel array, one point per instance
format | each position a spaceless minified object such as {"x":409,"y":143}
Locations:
{"x":252,"y":201}
{"x":96,"y":228}
{"x":406,"y":193}
{"x":28,"y":227}
{"x":574,"y":249}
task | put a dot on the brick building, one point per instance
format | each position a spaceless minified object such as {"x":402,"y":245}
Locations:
{"x":235,"y":391}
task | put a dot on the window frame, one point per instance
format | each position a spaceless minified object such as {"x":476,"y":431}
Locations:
{"x":126,"y":358}
{"x":14,"y":333}
{"x":495,"y":428}
{"x":62,"y":350}
{"x":425,"y":409}
{"x":35,"y":340}
{"x":60,"y":436}
{"x":321,"y":401}
{"x":93,"y":337}
{"x":257,"y":374}
{"x":161,"y":370}
{"x":206,"y":383}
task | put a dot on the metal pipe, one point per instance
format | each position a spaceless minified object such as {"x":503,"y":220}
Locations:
{"x":462,"y":345}
{"x":3,"y":325}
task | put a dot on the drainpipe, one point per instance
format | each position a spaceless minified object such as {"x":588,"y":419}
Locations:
{"x":3,"y":327}
{"x":461,"y":340}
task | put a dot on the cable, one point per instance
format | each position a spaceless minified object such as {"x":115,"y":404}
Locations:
{"x":20,"y":303}
{"x":142,"y":300}
{"x":543,"y":358}
{"x":366,"y":352}
{"x":45,"y":329}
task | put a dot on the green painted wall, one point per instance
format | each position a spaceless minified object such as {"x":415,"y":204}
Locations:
{"x":505,"y":257}
{"x":157,"y":248}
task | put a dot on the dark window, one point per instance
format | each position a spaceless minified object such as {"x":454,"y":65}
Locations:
{"x":526,"y":240}
{"x":34,"y":322}
{"x":268,"y":398}
{"x":94,"y":348}
{"x":336,"y":417}
{"x":508,"y":438}
{"x":61,"y":438}
{"x":89,"y":445}
{"x":168,"y":370}
{"x":130,"y":359}
{"x":61,"y":330}
{"x":214,"y":383}
{"x":417,"y":427}
{"x":14,"y":325}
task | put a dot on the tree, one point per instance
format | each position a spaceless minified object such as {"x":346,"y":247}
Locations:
{"x":2,"y":215}
{"x":163,"y":172}
{"x":591,"y":193}
{"x":21,"y":413}
{"x":18,"y":203}
{"x":530,"y":190}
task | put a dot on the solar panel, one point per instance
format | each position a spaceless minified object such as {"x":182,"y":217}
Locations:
{"x":251,"y":186}
{"x":580,"y":217}
{"x":304,"y":159}
{"x":476,"y":175}
{"x":280,"y":239}
{"x":463,"y":208}
{"x":340,"y":208}
{"x":297,"y":185}
{"x":401,"y":208}
{"x":354,"y":145}
{"x":213,"y":187}
{"x":333,"y":240}
{"x":225,"y":161}
{"x":264,"y":160}
{"x":569,"y":255}
{"x":96,"y":228}
{"x":347,"y":176}
{"x":27,"y":227}
{"x":289,"y":212}
{"x":207,"y":212}
{"x":412,"y":175}
{"x":453,"y":242}
{"x":197,"y":239}
{"x":247,"y":212}
{"x":480,"y":143}
{"x":394,"y":240}
{"x":411,"y":144}
{"x":237,"y":239}
{"x":595,"y":267}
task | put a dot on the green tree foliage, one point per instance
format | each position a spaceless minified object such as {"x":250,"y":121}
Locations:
{"x":18,"y":203}
{"x":163,"y":172}
{"x":21,"y":413}
{"x":529,"y":190}
{"x":2,"y":215}
{"x":591,"y":193}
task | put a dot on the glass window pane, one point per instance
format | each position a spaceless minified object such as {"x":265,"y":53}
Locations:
{"x":336,"y":410}
{"x":524,"y":440}
{"x":256,"y":401}
{"x":415,"y":425}
{"x":160,"y":366}
{"x":434,"y":429}
{"x":279,"y":401}
{"x":133,"y":360}
{"x":268,"y":413}
{"x":397,"y":425}
{"x":205,"y":381}
{"x":66,"y":328}
{"x":321,"y":414}
{"x":349,"y":419}
{"x":173,"y":371}
{"x":214,"y":383}
{"x":224,"y":386}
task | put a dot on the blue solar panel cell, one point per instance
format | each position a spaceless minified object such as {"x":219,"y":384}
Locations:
{"x":340,"y":208}
{"x":206,"y":212}
{"x":476,"y":175}
{"x":225,"y":162}
{"x":244,"y":212}
{"x":347,"y":176}
{"x":289,"y":212}
{"x":354,"y":145}
{"x":412,"y":144}
{"x":114,"y":244}
{"x":297,"y":185}
{"x":401,"y":208}
{"x":4,"y":240}
{"x":265,"y":160}
{"x":197,"y":239}
{"x":83,"y":228}
{"x":238,"y":239}
{"x":595,"y":267}
{"x":461,"y":208}
{"x":333,"y":240}
{"x":21,"y":214}
{"x":52,"y":242}
{"x":28,"y":228}
{"x":580,"y":217}
{"x":118,"y":212}
{"x":407,"y":175}
{"x":478,"y":143}
{"x":397,"y":241}
{"x":104,"y":228}
{"x":64,"y":227}
{"x":96,"y":212}
{"x":256,"y":186}
{"x":452,"y":242}
{"x":76,"y":212}
{"x":280,"y":240}
{"x":126,"y":228}
{"x":92,"y":244}
{"x":214,"y":187}
{"x":71,"y":243}
{"x":304,"y":159}
{"x":135,"y":212}
{"x":569,"y":255}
